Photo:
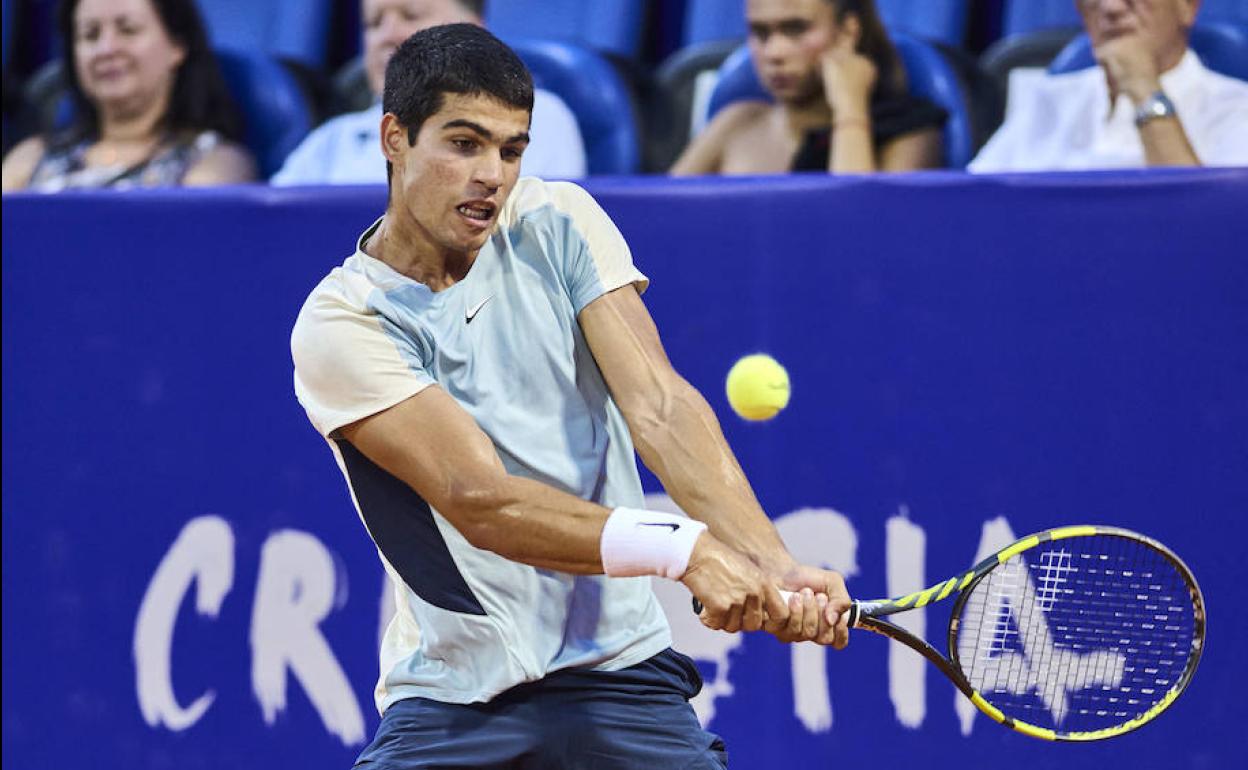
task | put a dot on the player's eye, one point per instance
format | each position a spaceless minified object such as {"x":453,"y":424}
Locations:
{"x":759,"y":32}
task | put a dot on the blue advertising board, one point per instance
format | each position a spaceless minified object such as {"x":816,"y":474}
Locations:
{"x":186,"y":583}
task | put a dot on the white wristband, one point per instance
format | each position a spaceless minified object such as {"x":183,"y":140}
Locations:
{"x":637,"y":542}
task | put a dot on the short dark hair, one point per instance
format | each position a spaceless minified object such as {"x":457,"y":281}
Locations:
{"x":200,"y":100}
{"x":451,"y":59}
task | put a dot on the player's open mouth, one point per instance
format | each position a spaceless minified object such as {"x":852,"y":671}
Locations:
{"x":480,"y":212}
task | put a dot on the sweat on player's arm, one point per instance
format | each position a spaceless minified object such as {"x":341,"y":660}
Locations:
{"x":679,"y":439}
{"x":430,"y":443}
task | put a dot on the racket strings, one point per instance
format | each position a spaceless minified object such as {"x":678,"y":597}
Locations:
{"x":1078,"y":634}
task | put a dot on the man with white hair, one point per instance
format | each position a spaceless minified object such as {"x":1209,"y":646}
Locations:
{"x":346,"y":149}
{"x":1149,"y":102}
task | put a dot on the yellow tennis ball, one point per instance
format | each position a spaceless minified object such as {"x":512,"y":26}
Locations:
{"x":758,"y":387}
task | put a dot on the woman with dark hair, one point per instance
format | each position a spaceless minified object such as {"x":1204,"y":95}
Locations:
{"x":841,"y":100}
{"x":150,"y":106}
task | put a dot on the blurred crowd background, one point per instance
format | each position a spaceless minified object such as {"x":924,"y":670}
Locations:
{"x":637,"y":74}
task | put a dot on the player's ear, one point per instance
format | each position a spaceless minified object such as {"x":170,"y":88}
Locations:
{"x":394,"y":142}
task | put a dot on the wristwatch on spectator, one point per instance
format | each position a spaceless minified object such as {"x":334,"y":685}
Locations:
{"x":1158,"y":105}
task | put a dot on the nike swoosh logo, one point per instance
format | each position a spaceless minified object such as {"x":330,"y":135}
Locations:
{"x":472,"y":311}
{"x":658,"y":524}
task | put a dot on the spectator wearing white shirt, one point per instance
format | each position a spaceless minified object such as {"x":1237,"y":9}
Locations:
{"x":347,"y":149}
{"x":1149,"y":102}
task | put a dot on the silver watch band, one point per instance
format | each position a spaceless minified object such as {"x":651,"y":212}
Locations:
{"x":1158,"y":105}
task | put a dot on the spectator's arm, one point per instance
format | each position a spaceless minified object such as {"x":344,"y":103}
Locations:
{"x":915,"y":150}
{"x":224,"y":164}
{"x":20,"y":163}
{"x":705,"y":153}
{"x":1166,"y":143}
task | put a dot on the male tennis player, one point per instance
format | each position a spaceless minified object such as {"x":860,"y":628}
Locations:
{"x":478,"y":367}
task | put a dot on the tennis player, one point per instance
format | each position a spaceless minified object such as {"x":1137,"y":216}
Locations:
{"x":481,"y":367}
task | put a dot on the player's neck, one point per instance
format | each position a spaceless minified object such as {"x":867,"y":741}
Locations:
{"x":407,"y":247}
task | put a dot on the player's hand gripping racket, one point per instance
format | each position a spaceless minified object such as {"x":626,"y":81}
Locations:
{"x":1072,"y":634}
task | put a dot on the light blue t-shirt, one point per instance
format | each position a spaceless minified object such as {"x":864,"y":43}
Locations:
{"x":505,"y":343}
{"x":347,"y":149}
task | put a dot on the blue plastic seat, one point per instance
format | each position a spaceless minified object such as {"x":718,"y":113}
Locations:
{"x":609,"y":26}
{"x":1025,"y":16}
{"x":276,"y":117}
{"x":712,"y":20}
{"x":596,"y":95}
{"x":296,"y":30}
{"x":1222,"y":46}
{"x":943,"y":20}
{"x":927,"y":71}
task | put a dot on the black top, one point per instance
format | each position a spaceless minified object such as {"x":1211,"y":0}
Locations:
{"x":890,"y":117}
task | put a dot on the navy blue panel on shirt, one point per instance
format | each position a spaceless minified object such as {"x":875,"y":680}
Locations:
{"x":402,"y":526}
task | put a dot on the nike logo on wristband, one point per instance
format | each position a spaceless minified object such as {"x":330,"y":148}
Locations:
{"x":658,"y":524}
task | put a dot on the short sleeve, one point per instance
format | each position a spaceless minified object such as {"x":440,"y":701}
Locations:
{"x":348,"y":365}
{"x":594,"y":258}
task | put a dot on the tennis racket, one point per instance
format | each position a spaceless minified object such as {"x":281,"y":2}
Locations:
{"x":1072,"y":634}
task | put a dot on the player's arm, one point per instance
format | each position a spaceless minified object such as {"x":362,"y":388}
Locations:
{"x":432,"y":444}
{"x":679,"y":439}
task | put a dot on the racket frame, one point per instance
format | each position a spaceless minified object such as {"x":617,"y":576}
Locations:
{"x":870,"y":616}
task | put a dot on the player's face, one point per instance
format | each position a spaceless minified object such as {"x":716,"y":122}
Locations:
{"x":454,"y":180}
{"x":787,"y":40}
{"x":1161,"y":24}
{"x":123,"y":56}
{"x":387,"y":23}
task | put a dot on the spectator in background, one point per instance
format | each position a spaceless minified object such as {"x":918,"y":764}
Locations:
{"x":347,"y":149}
{"x":150,"y":106}
{"x":841,"y":101}
{"x":1150,"y":102}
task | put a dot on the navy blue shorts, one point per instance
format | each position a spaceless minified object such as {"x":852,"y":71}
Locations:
{"x":638,"y":717}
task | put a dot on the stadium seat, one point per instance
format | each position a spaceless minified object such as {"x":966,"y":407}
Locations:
{"x":1025,"y":16}
{"x":1222,"y":46}
{"x":713,"y":20}
{"x":1223,"y":10}
{"x":608,"y":26}
{"x":1028,"y":49}
{"x":684,"y":83}
{"x":929,"y":73}
{"x":275,"y":115}
{"x":943,"y":20}
{"x":597,"y":96}
{"x":293,"y":30}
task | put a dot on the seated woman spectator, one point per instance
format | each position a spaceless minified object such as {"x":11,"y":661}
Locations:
{"x":841,"y":100}
{"x":150,"y":106}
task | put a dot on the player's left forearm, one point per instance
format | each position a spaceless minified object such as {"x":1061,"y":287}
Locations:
{"x":683,"y":445}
